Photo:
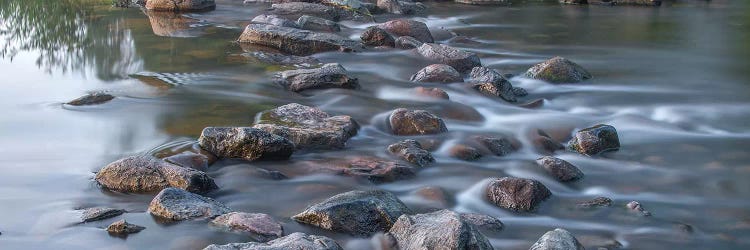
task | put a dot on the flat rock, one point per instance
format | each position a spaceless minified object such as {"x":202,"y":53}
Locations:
{"x":91,"y":99}
{"x":483,"y":222}
{"x":175,"y":204}
{"x":144,"y":174}
{"x":330,"y":75}
{"x":374,"y":36}
{"x":465,"y":152}
{"x":415,"y":122}
{"x":299,"y":241}
{"x":259,"y":227}
{"x":361,"y":213}
{"x":295,"y":41}
{"x":317,"y":24}
{"x":407,"y":27}
{"x":274,"y":20}
{"x":412,"y":151}
{"x":558,"y":239}
{"x":295,"y":10}
{"x":431,"y":92}
{"x":517,"y":194}
{"x":308,"y":127}
{"x":462,"y":61}
{"x":442,"y":229}
{"x":437,"y":73}
{"x":558,"y":70}
{"x":100,"y":213}
{"x":181,"y":5}
{"x":596,"y":202}
{"x":245,"y":143}
{"x":122,"y":227}
{"x":407,"y":42}
{"x":595,"y":140}
{"x":559,"y":168}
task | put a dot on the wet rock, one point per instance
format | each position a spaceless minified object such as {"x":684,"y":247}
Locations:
{"x":295,"y":41}
{"x":435,"y":195}
{"x":437,"y":73}
{"x":175,"y":204}
{"x":407,"y":42}
{"x":400,"y":7}
{"x":100,"y":213}
{"x":483,"y":222}
{"x":361,"y":213}
{"x":293,"y":241}
{"x":331,"y":75}
{"x":415,"y":122}
{"x":545,"y":143}
{"x":91,"y":99}
{"x":499,"y":146}
{"x":534,"y":104}
{"x":374,"y":36}
{"x":431,"y":92}
{"x":560,"y":169}
{"x":317,"y":24}
{"x":412,"y":151}
{"x":484,"y":74}
{"x":308,"y":127}
{"x":295,"y":10}
{"x":122,"y":227}
{"x":520,"y":92}
{"x":556,"y":240}
{"x":406,"y":27}
{"x":245,"y":143}
{"x":464,"y":152}
{"x":492,"y":83}
{"x":375,"y":170}
{"x":637,"y":207}
{"x":259,"y":227}
{"x":558,"y":70}
{"x":264,"y":57}
{"x":460,"y":60}
{"x":182,"y":5}
{"x":517,"y":194}
{"x":143,"y":174}
{"x":274,"y":20}
{"x":501,"y":90}
{"x":189,"y":159}
{"x":596,"y":202}
{"x":442,"y":229}
{"x":595,"y":140}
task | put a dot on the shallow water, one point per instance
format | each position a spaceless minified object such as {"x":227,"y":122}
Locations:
{"x":673,"y":81}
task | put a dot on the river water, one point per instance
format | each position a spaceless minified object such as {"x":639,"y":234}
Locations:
{"x":673,"y":80}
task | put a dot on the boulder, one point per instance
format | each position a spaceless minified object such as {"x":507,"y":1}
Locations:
{"x":483,"y":222}
{"x":299,"y":241}
{"x":412,"y":151}
{"x":558,"y":239}
{"x":442,"y":229}
{"x":144,"y":174}
{"x":245,"y":143}
{"x":100,"y":213}
{"x":360,"y":213}
{"x":437,"y":73}
{"x":175,"y":204}
{"x":517,"y":194}
{"x":294,"y":10}
{"x":431,"y":92}
{"x":181,"y":6}
{"x":122,"y":227}
{"x":317,"y":24}
{"x":415,"y":122}
{"x":637,"y":207}
{"x":308,"y":127}
{"x":465,"y":152}
{"x":274,"y":20}
{"x":259,"y":227}
{"x":406,"y":27}
{"x":330,"y":75}
{"x":558,"y":70}
{"x":596,"y":202}
{"x":295,"y":41}
{"x":91,"y":99}
{"x":407,"y":42}
{"x":374,"y":36}
{"x":595,"y":140}
{"x":560,"y":169}
{"x":460,"y":60}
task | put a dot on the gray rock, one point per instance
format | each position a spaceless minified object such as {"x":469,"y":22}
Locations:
{"x":259,"y":227}
{"x":460,"y":60}
{"x":437,"y":73}
{"x":245,"y":143}
{"x":442,"y":229}
{"x":100,"y":213}
{"x":274,"y":20}
{"x":596,"y":202}
{"x":91,"y":99}
{"x":182,"y":5}
{"x":189,"y":159}
{"x":308,"y":127}
{"x":400,"y":7}
{"x":406,"y":27}
{"x":483,"y":222}
{"x":317,"y":24}
{"x":517,"y":194}
{"x":295,"y":241}
{"x":175,"y":204}
{"x":499,"y":146}
{"x":415,"y":122}
{"x":490,"y":82}
{"x":595,"y":140}
{"x":520,"y":92}
{"x":295,"y":41}
{"x":407,"y":42}
{"x":637,"y":207}
{"x":143,"y":174}
{"x":331,"y":75}
{"x":432,"y":92}
{"x":484,"y":74}
{"x":558,"y":239}
{"x":412,"y":151}
{"x":295,"y":10}
{"x":361,"y":213}
{"x":465,"y":152}
{"x":122,"y":227}
{"x":558,"y":70}
{"x":374,"y":36}
{"x":560,"y":169}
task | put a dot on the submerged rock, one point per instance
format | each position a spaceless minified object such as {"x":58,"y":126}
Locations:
{"x":437,"y":73}
{"x":331,"y":75}
{"x":100,"y":213}
{"x":407,"y":27}
{"x":143,"y":174}
{"x":189,"y":159}
{"x":465,"y":152}
{"x":407,"y":42}
{"x":374,"y":36}
{"x":259,"y":227}
{"x":295,"y":10}
{"x":308,"y":127}
{"x":637,"y":207}
{"x":415,"y":122}
{"x":176,"y":205}
{"x":499,"y":146}
{"x":545,"y":143}
{"x":560,"y":169}
{"x":442,"y":229}
{"x":558,"y":70}
{"x":245,"y":143}
{"x":274,"y":58}
{"x":91,"y":99}
{"x":374,"y":169}
{"x":361,"y":213}
{"x":412,"y":151}
{"x":431,"y":92}
{"x":433,"y":196}
{"x":517,"y":194}
{"x":460,"y":60}
{"x":557,"y":239}
{"x":299,"y":241}
{"x":483,"y":222}
{"x":317,"y":24}
{"x":596,"y":202}
{"x":122,"y":227}
{"x":295,"y":41}
{"x":274,"y":20}
{"x":595,"y":140}
{"x":182,"y":5}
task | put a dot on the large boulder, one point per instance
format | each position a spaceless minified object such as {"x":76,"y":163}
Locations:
{"x":308,"y":127}
{"x":299,"y":241}
{"x":516,"y":194}
{"x":259,"y":227}
{"x":274,"y":20}
{"x":412,"y":151}
{"x":558,"y":239}
{"x":462,"y":61}
{"x":144,"y":174}
{"x":558,"y":70}
{"x":181,"y":5}
{"x":173,"y":204}
{"x":374,"y":36}
{"x":442,"y":229}
{"x":294,"y":10}
{"x":360,"y":213}
{"x":317,"y":24}
{"x":330,"y":75}
{"x":245,"y":143}
{"x":295,"y":41}
{"x":595,"y":140}
{"x":559,"y":168}
{"x":437,"y":73}
{"x":415,"y":122}
{"x":407,"y":27}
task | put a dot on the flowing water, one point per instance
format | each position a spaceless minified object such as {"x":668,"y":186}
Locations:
{"x":673,"y":80}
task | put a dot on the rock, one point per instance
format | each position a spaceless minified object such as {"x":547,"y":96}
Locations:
{"x":558,"y":70}
{"x":412,"y":151}
{"x":595,"y":140}
{"x":499,"y":146}
{"x":308,"y":127}
{"x":259,"y":227}
{"x":374,"y":36}
{"x":406,"y":27}
{"x":295,"y":10}
{"x":460,"y":60}
{"x":496,"y":90}
{"x":189,"y":159}
{"x":431,"y":92}
{"x":182,"y":5}
{"x":636,"y":206}
{"x":374,"y":169}
{"x":435,"y":195}
{"x":483,"y":221}
{"x":484,"y":74}
{"x":360,"y":213}
{"x":490,"y":82}
{"x":331,"y":75}
{"x":299,"y":241}
{"x":407,"y":42}
{"x":543,"y":142}
{"x":442,"y":229}
{"x":91,"y":99}
{"x":415,"y":122}
{"x":464,"y":152}
{"x":558,"y":239}
{"x":520,"y":92}
{"x":437,"y":73}
{"x":596,"y":202}
{"x":122,"y":227}
{"x":295,"y":41}
{"x":484,"y":2}
{"x":144,"y":174}
{"x":100,"y":213}
{"x":560,"y":169}
{"x":517,"y":194}
{"x":400,"y":7}
{"x":274,"y":20}
{"x":317,"y":24}
{"x":175,"y":204}
{"x":245,"y":143}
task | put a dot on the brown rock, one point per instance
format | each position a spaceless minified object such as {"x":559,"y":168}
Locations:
{"x":143,"y":174}
{"x":259,"y":227}
{"x":432,"y":92}
{"x":295,"y":41}
{"x":374,"y":36}
{"x":464,"y":152}
{"x":560,"y":169}
{"x":91,"y":99}
{"x":406,"y":27}
{"x":558,"y":70}
{"x":412,"y":151}
{"x":122,"y":227}
{"x":517,"y":194}
{"x":415,"y":122}
{"x":462,"y":61}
